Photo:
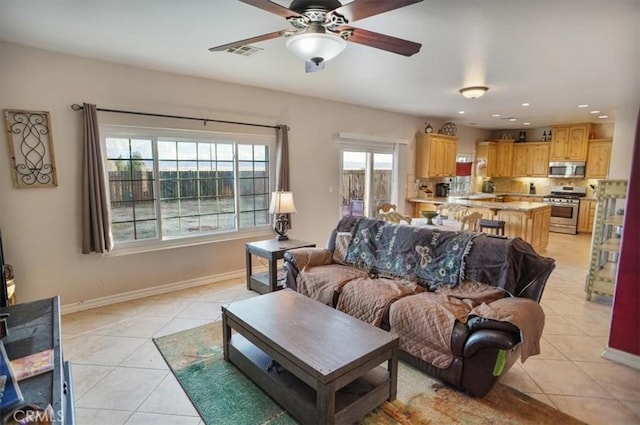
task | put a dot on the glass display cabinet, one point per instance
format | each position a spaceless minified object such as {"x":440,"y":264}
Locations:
{"x":606,"y":237}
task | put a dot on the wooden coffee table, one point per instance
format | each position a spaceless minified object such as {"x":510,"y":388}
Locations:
{"x":331,"y":360}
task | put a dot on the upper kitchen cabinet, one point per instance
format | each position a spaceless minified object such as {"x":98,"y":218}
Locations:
{"x":598,"y":158}
{"x":435,"y":155}
{"x":495,"y":158}
{"x":505,"y":158}
{"x":531,"y":159}
{"x":569,"y":142}
{"x":487,"y":159}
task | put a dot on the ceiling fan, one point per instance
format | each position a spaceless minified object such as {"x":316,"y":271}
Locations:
{"x":320,"y":28}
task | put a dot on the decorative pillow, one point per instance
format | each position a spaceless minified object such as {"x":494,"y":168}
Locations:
{"x":342,"y":242}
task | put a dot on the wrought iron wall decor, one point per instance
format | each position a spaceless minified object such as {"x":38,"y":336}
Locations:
{"x":31,"y":148}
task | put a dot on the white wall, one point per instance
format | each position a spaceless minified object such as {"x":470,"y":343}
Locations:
{"x":623,"y":138}
{"x":41,"y":227}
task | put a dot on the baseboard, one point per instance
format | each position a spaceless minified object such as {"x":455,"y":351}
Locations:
{"x":623,"y":357}
{"x":146,"y":292}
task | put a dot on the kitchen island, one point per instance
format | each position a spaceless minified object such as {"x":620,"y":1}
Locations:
{"x":527,"y":220}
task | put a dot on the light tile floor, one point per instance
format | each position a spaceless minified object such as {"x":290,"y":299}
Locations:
{"x":120,"y":378}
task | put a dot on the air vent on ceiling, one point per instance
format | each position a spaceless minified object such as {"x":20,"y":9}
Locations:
{"x":244,"y":50}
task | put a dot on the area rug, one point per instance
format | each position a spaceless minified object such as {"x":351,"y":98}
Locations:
{"x":224,"y":395}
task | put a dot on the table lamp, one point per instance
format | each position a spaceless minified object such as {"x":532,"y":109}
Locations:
{"x":282,"y":204}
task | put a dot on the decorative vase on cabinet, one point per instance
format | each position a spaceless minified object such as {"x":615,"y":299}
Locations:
{"x":605,"y":240}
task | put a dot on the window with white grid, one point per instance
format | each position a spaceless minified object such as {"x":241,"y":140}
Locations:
{"x":167,"y":185}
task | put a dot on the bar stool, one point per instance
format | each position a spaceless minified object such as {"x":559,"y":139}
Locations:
{"x":491,"y":225}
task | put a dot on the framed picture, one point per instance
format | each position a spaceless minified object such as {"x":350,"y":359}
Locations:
{"x":30,"y":148}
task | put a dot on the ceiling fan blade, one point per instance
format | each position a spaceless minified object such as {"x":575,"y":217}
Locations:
{"x":272,"y":7}
{"x":244,"y":42}
{"x":381,"y":41}
{"x":360,"y":9}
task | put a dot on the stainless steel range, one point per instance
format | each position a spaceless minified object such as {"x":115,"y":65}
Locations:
{"x":565,"y":202}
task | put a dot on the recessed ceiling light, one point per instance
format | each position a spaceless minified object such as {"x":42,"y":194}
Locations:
{"x":513,"y":119}
{"x":461,"y":112}
{"x":594,"y":112}
{"x":525,"y":104}
{"x":603,"y":116}
{"x":583,"y":106}
{"x":495,"y":115}
{"x":526,"y":123}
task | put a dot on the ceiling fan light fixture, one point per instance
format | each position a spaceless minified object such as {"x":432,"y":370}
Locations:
{"x":473,"y":92}
{"x":316,"y":47}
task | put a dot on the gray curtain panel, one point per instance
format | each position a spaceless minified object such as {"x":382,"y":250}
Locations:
{"x":282,"y":158}
{"x":282,"y":161}
{"x":96,"y":226}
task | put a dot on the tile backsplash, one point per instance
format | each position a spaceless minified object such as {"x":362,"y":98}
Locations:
{"x":502,"y":184}
{"x":542,"y":184}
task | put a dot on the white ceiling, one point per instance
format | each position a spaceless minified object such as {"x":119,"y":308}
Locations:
{"x":553,"y":54}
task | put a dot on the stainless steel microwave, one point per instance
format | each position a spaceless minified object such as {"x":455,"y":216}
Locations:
{"x":570,"y":169}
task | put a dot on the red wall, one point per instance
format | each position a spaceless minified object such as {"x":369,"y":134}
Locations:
{"x":624,"y":333}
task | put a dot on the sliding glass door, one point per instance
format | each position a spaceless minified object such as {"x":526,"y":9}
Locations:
{"x":368,"y":180}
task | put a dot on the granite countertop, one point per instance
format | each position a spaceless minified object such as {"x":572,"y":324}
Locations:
{"x":482,"y":195}
{"x":510,"y":206}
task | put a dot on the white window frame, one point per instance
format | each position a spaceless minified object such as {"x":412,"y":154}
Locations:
{"x":153,"y":133}
{"x":350,"y":142}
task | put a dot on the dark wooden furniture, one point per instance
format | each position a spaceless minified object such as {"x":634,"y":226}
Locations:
{"x":331,"y":360}
{"x":35,"y":327}
{"x":497,"y":225}
{"x":272,"y":250}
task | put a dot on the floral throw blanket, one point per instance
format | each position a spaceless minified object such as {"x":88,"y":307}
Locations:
{"x":428,"y":256}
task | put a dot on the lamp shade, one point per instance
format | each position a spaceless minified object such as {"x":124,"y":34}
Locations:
{"x":282,"y":203}
{"x":316,"y":47}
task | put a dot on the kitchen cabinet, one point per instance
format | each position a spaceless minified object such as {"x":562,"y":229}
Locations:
{"x":598,"y":158}
{"x":505,"y":158}
{"x":605,"y":240}
{"x":586,"y":215}
{"x":450,"y":156}
{"x":495,"y":158}
{"x":435,"y":155}
{"x":531,"y":159}
{"x":532,"y":225}
{"x":516,"y":198}
{"x":569,"y":142}
{"x":487,"y":159}
{"x":487,"y":213}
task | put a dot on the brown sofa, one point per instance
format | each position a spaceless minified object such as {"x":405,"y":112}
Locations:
{"x":465,"y":305}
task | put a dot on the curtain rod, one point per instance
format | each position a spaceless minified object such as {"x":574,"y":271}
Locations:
{"x":77,"y":107}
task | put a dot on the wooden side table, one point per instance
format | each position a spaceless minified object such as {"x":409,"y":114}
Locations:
{"x":272,"y":250}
